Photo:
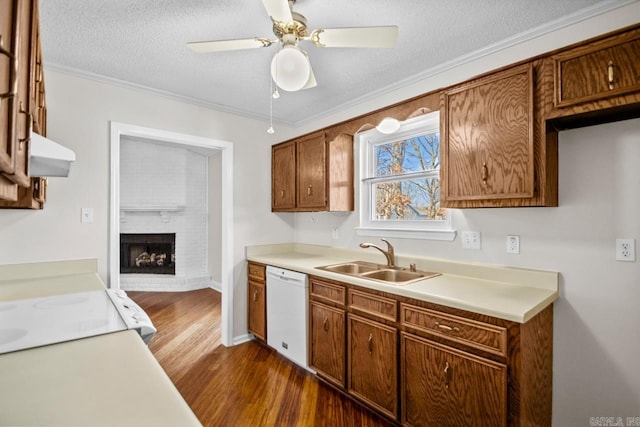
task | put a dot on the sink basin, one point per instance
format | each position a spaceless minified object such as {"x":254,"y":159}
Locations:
{"x":380,"y":273}
{"x":397,"y":276}
{"x":356,"y":267}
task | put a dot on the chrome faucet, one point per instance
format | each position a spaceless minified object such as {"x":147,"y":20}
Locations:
{"x":389,"y":253}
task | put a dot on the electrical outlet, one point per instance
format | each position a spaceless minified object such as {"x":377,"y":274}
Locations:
{"x":334,"y":234}
{"x":471,"y":240}
{"x":513,"y":244}
{"x":626,"y":250}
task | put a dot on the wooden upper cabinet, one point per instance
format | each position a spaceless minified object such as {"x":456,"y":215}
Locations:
{"x":599,"y":70}
{"x":311,"y":154}
{"x":8,"y":89}
{"x":312,"y":174}
{"x":24,"y":118}
{"x":488,"y":138}
{"x":283,"y":176}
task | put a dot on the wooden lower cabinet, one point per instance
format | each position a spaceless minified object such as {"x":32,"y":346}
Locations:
{"x":424,"y":364}
{"x":442,"y":386}
{"x":327,"y":327}
{"x":372,"y":374}
{"x":257,"y":310}
{"x":257,"y":300}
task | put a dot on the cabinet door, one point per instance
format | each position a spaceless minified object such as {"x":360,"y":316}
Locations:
{"x":24,"y":118}
{"x":283,"y":176}
{"x":311,"y":168}
{"x":488,"y":138}
{"x":442,"y":386}
{"x":372,"y":364}
{"x":8,"y":78}
{"x":597,"y":71}
{"x":327,"y":330}
{"x":257,"y":310}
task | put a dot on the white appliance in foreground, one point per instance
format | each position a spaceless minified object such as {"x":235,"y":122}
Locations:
{"x":287,"y":302}
{"x":36,"y":322}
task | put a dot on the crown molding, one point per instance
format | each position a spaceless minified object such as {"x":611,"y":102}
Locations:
{"x":582,"y":15}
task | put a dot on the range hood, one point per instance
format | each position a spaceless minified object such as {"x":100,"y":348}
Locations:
{"x":48,"y":158}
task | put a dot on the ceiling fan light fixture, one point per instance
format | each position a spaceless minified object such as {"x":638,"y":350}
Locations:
{"x":388,"y":125}
{"x":290,"y":68}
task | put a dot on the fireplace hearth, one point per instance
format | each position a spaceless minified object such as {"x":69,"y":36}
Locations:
{"x":148,"y":253}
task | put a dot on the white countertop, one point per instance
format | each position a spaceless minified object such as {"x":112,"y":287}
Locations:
{"x":503,"y":292}
{"x":105,"y":380}
{"x":108,"y":380}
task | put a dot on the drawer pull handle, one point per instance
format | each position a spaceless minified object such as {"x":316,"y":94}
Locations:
{"x":325,"y":325}
{"x":310,"y":190}
{"x":255,"y":296}
{"x":282,"y":194}
{"x":610,"y":74}
{"x":447,"y":375}
{"x":370,"y":343}
{"x":447,"y":327}
{"x":13,"y":86}
{"x":485,"y":173}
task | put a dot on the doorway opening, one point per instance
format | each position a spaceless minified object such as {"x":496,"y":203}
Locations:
{"x":212,"y":148}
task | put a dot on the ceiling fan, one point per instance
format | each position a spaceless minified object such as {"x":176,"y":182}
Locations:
{"x":290,"y":67}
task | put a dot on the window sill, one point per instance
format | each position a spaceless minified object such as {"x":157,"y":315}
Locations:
{"x":404,"y":233}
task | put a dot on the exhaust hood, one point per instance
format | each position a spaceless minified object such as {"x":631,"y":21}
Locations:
{"x":48,"y":158}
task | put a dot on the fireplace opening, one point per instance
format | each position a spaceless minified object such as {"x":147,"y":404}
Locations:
{"x":148,"y":253}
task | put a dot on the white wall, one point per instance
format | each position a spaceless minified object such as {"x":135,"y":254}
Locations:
{"x":596,"y":345}
{"x":79,"y":113}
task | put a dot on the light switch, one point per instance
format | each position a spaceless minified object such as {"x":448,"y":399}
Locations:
{"x":86,"y":215}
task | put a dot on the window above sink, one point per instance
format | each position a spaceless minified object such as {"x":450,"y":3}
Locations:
{"x":399,"y":183}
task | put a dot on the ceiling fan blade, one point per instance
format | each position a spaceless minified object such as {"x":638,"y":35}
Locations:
{"x":355,"y":37}
{"x":278,"y":10}
{"x":222,"y":45}
{"x":312,"y":80}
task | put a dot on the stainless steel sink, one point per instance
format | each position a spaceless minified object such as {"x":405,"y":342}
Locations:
{"x":380,"y":273}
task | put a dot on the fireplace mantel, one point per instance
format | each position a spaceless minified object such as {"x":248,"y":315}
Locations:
{"x":163,"y":210}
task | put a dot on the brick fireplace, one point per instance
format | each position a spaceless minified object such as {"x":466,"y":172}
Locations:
{"x":148,"y":253}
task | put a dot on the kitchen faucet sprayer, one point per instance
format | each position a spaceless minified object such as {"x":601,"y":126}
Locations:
{"x":389,"y":253}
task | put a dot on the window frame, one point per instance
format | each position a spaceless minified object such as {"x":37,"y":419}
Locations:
{"x":413,"y":229}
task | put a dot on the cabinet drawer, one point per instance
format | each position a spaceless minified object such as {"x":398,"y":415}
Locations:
{"x":480,"y":335}
{"x":256,"y":271}
{"x":375,"y":305}
{"x":328,"y":292}
{"x":597,"y":71}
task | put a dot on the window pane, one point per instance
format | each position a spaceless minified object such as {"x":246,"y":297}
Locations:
{"x":415,"y":154}
{"x":410,"y":199}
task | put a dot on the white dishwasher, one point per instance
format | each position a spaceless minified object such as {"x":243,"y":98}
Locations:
{"x":287,"y":302}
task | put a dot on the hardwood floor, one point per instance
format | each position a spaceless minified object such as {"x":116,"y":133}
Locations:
{"x":245,"y":385}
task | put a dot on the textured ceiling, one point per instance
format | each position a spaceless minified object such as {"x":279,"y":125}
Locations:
{"x":143,"y":42}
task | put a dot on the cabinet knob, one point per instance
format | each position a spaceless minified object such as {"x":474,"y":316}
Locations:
{"x":370,"y":343}
{"x":325,"y":325}
{"x":610,"y":74}
{"x":485,"y":173}
{"x":13,"y":86}
{"x":447,"y":375}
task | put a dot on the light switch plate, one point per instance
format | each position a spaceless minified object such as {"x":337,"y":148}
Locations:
{"x":86,"y":215}
{"x":513,"y":244}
